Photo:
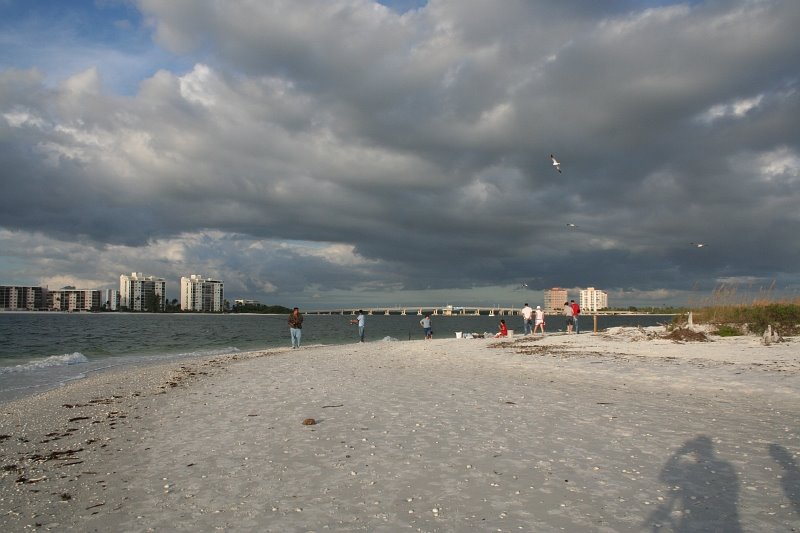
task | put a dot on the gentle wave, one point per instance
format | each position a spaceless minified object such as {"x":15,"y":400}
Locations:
{"x":74,"y":358}
{"x":210,"y":352}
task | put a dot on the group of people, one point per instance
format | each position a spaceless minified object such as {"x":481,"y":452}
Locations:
{"x":296,"y":326}
{"x":533,"y":321}
{"x":571,"y":311}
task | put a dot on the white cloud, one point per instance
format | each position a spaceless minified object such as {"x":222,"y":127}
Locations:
{"x":736,"y":109}
{"x":195,"y":86}
{"x":338,"y":254}
{"x":21,"y":117}
{"x":782,"y":163}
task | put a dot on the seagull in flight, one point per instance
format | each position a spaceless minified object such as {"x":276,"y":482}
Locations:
{"x":556,"y":163}
{"x":698,"y":244}
{"x":571,"y":225}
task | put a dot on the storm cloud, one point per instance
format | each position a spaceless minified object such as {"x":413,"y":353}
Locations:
{"x":345,"y":152}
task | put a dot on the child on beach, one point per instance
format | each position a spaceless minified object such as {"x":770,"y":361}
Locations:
{"x":538,"y":320}
{"x":503,"y":329}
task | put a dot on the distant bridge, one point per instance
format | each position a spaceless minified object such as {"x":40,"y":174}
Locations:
{"x":447,"y":310}
{"x":450,"y":310}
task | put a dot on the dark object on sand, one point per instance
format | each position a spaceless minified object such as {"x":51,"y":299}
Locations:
{"x":686,"y":335}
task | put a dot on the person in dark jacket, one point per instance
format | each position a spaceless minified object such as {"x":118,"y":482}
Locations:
{"x":296,"y":327}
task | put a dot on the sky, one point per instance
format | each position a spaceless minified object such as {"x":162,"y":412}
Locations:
{"x":337,"y":153}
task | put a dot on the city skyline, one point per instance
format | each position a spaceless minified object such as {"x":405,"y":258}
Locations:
{"x":123,"y":287}
{"x":331,"y":153}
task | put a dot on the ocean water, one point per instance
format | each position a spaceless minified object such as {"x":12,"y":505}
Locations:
{"x":40,"y":351}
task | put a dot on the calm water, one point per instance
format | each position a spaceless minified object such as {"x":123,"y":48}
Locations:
{"x":39,"y":351}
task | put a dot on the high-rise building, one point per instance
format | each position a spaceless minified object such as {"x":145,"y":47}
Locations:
{"x":201,"y":294}
{"x":28,"y":298}
{"x":554,"y":299}
{"x":74,"y":300}
{"x":110,"y":300}
{"x":593,"y":300}
{"x":138,"y":292}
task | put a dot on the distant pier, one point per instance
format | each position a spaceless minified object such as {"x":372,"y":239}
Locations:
{"x":447,"y":310}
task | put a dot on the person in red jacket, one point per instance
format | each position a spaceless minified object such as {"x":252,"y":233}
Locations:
{"x":576,"y":310}
{"x":503,"y":329}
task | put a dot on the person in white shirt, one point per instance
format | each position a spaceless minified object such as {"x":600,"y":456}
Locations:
{"x":361,"y":321}
{"x":527,"y":319}
{"x":538,"y":320}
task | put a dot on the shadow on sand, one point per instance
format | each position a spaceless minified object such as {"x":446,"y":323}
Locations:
{"x":790,"y":479}
{"x":703,"y":492}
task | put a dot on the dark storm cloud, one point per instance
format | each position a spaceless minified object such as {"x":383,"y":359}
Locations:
{"x":335,"y":146}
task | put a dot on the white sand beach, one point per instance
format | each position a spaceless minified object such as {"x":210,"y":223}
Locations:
{"x":591,"y":432}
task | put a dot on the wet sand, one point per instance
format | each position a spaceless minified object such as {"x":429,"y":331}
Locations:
{"x":614,"y":432}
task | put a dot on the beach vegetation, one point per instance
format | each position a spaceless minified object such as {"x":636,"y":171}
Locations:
{"x":728,"y":330}
{"x":260,"y":308}
{"x":747,"y":309}
{"x":647,"y":310}
{"x":152,"y":303}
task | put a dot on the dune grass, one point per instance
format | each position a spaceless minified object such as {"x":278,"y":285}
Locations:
{"x":735,"y":310}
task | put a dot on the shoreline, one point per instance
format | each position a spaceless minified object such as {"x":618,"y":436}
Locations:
{"x":578,"y":432}
{"x":28,"y":366}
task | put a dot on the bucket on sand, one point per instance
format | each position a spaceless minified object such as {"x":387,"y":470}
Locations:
{"x":511,"y":333}
{"x":459,"y":334}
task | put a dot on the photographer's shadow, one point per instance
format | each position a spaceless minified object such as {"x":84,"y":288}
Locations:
{"x":790,"y":480}
{"x":703,"y":492}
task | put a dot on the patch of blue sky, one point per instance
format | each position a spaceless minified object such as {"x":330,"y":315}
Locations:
{"x":647,"y":4}
{"x":61,"y":38}
{"x":402,"y":6}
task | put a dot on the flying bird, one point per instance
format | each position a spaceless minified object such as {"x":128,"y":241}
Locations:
{"x":698,"y":244}
{"x":556,"y":163}
{"x":571,"y":225}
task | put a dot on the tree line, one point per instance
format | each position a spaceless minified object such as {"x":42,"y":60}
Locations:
{"x":152,"y":304}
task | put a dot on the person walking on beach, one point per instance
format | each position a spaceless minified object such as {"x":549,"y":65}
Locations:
{"x":568,"y":314}
{"x":538,"y":320}
{"x":503,"y":329}
{"x":527,"y":319}
{"x":296,"y":327}
{"x":362,"y":322}
{"x":426,"y":326}
{"x":576,"y":310}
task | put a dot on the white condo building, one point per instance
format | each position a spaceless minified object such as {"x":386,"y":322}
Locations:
{"x":593,"y":300}
{"x":73,"y":300}
{"x":14,"y":297}
{"x":135,"y":291}
{"x":201,"y":294}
